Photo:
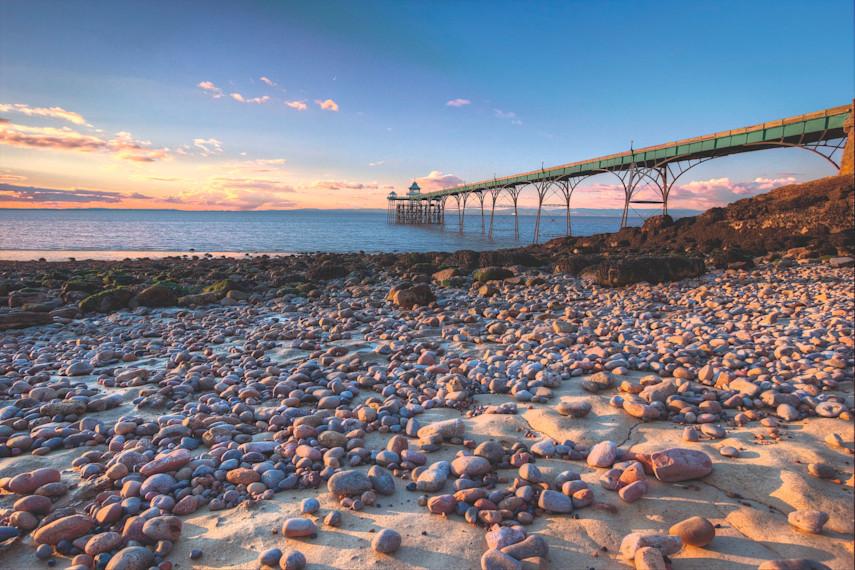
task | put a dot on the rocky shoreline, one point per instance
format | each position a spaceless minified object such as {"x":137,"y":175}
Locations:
{"x":547,"y":407}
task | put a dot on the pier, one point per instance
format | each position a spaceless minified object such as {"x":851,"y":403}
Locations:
{"x":655,"y":168}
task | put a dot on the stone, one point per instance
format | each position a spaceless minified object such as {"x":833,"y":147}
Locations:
{"x":666,"y":544}
{"x":651,"y":269}
{"x":154,"y":296}
{"x":504,"y":536}
{"x":442,"y":504}
{"x":574,"y":409}
{"x":163,"y":528}
{"x":649,"y":558}
{"x":633,"y":491}
{"x":348,"y":483}
{"x":382,"y":481}
{"x":26,"y":483}
{"x":292,"y":560}
{"x":696,"y":531}
{"x":270,"y":557}
{"x":431,"y":480}
{"x":66,"y":528}
{"x":491,"y":451}
{"x":533,"y":545}
{"x":555,"y":502}
{"x":293,"y":528}
{"x":386,"y":541}
{"x":602,"y":454}
{"x":416,"y":295}
{"x":809,"y":520}
{"x":24,"y":320}
{"x":470,"y":465}
{"x":104,"y":542}
{"x":243,"y":476}
{"x":131,"y":558}
{"x":37,"y":504}
{"x":166,"y":462}
{"x":494,"y":559}
{"x":446,"y":429}
{"x":679,"y":464}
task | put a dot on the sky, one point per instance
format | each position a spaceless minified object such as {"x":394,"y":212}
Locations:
{"x":256,"y":105}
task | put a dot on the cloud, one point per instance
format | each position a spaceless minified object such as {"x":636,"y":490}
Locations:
{"x":458,"y":102}
{"x":343,"y":185}
{"x":299,"y":105}
{"x":161,"y":178}
{"x":123,"y":146}
{"x":6,"y":176}
{"x":507,"y":115}
{"x":49,"y":138}
{"x":126,"y":148}
{"x":212,"y":89}
{"x":237,"y":97}
{"x":209,"y":146}
{"x":34,"y":195}
{"x":436,"y":180}
{"x":704,"y":194}
{"x":242,"y":99}
{"x":269,"y":82}
{"x":53,"y":112}
{"x":328,"y":105}
{"x":237,"y":193}
{"x":378,"y":163}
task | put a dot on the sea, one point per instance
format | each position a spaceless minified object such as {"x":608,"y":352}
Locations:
{"x":57,"y":235}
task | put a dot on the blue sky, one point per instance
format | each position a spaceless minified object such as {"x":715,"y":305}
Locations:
{"x":245,"y":105}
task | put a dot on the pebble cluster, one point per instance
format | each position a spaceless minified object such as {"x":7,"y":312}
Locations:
{"x":239,"y":396}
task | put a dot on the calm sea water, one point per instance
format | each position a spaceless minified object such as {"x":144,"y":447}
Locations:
{"x":111,"y":234}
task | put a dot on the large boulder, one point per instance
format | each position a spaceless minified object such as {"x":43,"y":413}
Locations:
{"x":619,"y":273}
{"x":154,"y":296}
{"x":407,"y":296}
{"x":24,"y":319}
{"x":107,"y":301}
{"x":492,"y":274}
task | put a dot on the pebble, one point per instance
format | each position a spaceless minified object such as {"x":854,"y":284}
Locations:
{"x":809,"y":520}
{"x":292,"y":560}
{"x":386,"y":541}
{"x":294,"y":528}
{"x":679,"y":464}
{"x":494,"y":559}
{"x":696,"y":531}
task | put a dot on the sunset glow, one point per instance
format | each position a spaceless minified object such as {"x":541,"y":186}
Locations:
{"x":281,"y":105}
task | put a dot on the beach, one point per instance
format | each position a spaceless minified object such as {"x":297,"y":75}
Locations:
{"x":557,"y":395}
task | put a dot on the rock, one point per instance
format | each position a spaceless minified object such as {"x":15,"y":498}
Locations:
{"x":386,"y":541}
{"x":602,"y":454}
{"x":293,"y":528}
{"x":107,"y":301}
{"x":381,"y":481}
{"x":309,"y":506}
{"x":66,"y":528}
{"x":666,"y":544}
{"x":416,"y":295}
{"x":26,"y":483}
{"x":131,"y":558}
{"x":633,"y":491}
{"x":331,"y":439}
{"x":490,"y":450}
{"x":243,"y":476}
{"x":574,"y":409}
{"x":822,"y":470}
{"x":348,"y":483}
{"x":66,"y":407}
{"x":292,"y":560}
{"x":431,"y":480}
{"x":7,"y":532}
{"x":810,"y":520}
{"x":163,"y":528}
{"x":24,"y":319}
{"x":696,"y":531}
{"x":491,"y":274}
{"x":270,"y":557}
{"x":651,"y":269}
{"x":166,"y":462}
{"x":104,"y":542}
{"x":442,"y":504}
{"x":504,"y":536}
{"x":494,"y":559}
{"x":679,"y":464}
{"x":649,"y":558}
{"x":447,"y":429}
{"x":532,"y":546}
{"x":154,"y":296}
{"x":37,"y":504}
{"x":555,"y":502}
{"x":470,"y":465}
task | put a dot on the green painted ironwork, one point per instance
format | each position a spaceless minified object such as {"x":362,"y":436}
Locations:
{"x":802,"y":130}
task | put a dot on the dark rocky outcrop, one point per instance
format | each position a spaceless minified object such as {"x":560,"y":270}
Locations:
{"x":24,"y":319}
{"x":618,"y":273}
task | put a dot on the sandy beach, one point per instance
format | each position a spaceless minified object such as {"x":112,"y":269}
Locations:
{"x":556,"y":394}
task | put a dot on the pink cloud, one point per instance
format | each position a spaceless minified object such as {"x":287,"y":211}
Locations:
{"x":458,"y":102}
{"x":328,"y":105}
{"x":49,"y":138}
{"x":436,"y":180}
{"x":237,"y":97}
{"x":343,"y":185}
{"x":269,"y":82}
{"x":208,"y":146}
{"x":211,"y":88}
{"x":53,"y":112}
{"x":299,"y":105}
